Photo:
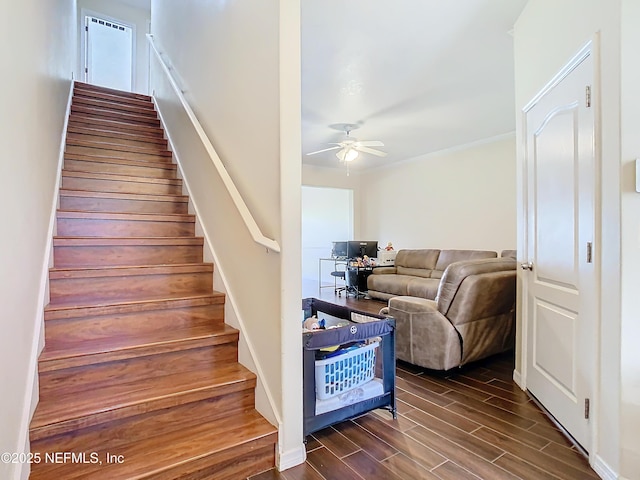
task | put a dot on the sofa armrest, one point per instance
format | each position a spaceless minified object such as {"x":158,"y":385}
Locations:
{"x":424,"y":336}
{"x":383,"y":270}
{"x":483,"y":312}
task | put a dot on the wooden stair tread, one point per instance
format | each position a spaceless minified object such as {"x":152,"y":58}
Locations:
{"x":94,"y":131}
{"x":58,"y":405}
{"x":146,"y":108}
{"x":64,"y":311}
{"x":99,"y":302}
{"x":115,"y":107}
{"x":156,"y":161}
{"x":97,"y":285}
{"x":152,"y":424}
{"x":95,"y":134}
{"x":170,"y":452}
{"x":129,"y":381}
{"x":113,"y":125}
{"x":81,"y":93}
{"x":119,"y":182}
{"x":121,"y":178}
{"x":119,"y":271}
{"x":80,"y":140}
{"x":61,"y":348}
{"x":125,"y":152}
{"x":63,"y":353}
{"x":133,"y":241}
{"x":123,"y":117}
{"x":118,"y":147}
{"x":165,"y":217}
{"x":88,"y":87}
{"x":164,"y":164}
{"x":120,"y":161}
{"x":124,"y":196}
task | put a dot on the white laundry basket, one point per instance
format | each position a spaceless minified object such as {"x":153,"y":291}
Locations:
{"x":343,"y":372}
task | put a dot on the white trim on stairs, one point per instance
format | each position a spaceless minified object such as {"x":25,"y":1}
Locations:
{"x":32,"y":397}
{"x":219,"y":271}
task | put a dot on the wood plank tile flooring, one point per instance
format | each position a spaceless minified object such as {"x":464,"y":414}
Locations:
{"x":474,"y":423}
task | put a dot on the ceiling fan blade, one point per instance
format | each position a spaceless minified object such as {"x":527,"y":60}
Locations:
{"x":369,"y":143}
{"x":324,"y":150}
{"x":372,"y":151}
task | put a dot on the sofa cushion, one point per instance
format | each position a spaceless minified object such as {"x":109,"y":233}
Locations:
{"x":391,"y":284}
{"x":418,"y":263}
{"x":447,"y":257}
{"x":423,"y":287}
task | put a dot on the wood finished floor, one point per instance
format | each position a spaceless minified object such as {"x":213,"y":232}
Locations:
{"x":472,"y":424}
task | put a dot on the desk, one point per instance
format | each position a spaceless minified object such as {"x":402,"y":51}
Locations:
{"x":357,"y":279}
{"x":336,"y":262}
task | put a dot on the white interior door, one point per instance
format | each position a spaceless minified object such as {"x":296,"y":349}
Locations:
{"x":559,"y":281}
{"x":108,"y":54}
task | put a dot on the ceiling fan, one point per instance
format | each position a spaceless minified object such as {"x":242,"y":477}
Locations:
{"x":350,"y":148}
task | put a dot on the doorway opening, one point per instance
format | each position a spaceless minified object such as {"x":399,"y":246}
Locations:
{"x":108,"y":52}
{"x":327,"y":216}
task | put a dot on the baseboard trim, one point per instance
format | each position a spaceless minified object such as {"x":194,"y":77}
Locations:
{"x":291,"y":458}
{"x":517,"y":377}
{"x":604,"y":470}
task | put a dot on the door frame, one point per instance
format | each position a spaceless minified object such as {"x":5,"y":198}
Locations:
{"x":85,"y":12}
{"x":591,"y":48}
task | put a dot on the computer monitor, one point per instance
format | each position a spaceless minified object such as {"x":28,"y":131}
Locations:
{"x":339,"y":250}
{"x":360,"y":248}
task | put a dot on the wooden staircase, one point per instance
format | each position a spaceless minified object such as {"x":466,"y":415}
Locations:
{"x":139,"y":377}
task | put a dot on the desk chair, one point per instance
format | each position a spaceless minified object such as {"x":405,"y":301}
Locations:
{"x":336,"y":274}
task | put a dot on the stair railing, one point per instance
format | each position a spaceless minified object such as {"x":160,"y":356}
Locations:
{"x":238,"y":201}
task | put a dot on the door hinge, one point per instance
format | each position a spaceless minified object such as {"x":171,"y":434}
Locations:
{"x":589,"y":252}
{"x":86,"y":28}
{"x":586,"y":409}
{"x":588,"y":95}
{"x":86,"y":70}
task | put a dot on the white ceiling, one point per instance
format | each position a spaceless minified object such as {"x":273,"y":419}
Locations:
{"x":419,"y":75}
{"x":142,"y":4}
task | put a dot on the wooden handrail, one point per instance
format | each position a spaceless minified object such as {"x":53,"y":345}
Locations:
{"x":248,"y":219}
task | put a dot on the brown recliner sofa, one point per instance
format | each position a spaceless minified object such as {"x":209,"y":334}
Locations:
{"x":472,"y":317}
{"x":417,"y":273}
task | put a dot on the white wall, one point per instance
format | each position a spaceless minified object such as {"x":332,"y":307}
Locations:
{"x":547,"y":35}
{"x":37,"y":48}
{"x":126,"y":13}
{"x":313,"y":176}
{"x":460,"y":198}
{"x":630,"y":326}
{"x":227,"y":57}
{"x":292,"y":450}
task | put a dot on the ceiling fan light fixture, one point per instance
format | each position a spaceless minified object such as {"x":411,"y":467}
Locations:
{"x":350,"y":148}
{"x":350,"y":155}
